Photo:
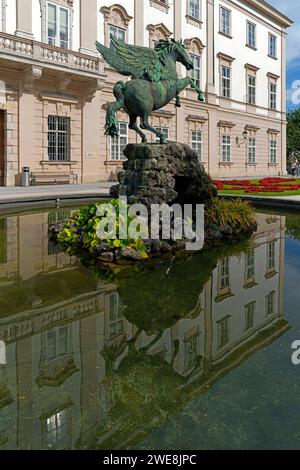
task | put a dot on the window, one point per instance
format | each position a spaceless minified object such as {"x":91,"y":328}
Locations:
{"x":191,"y":347}
{"x":249,"y":316}
{"x":225,"y":81}
{"x":58,"y":26}
{"x":58,"y":138}
{"x":164,"y":131}
{"x":55,"y":430}
{"x":273,"y":151}
{"x":195,"y":74}
{"x":250,"y":264}
{"x":271,"y":256}
{"x":196,"y":143}
{"x":226,"y":148}
{"x":194,"y":9}
{"x":118,"y":144}
{"x":56,"y":216}
{"x":251,"y":150}
{"x":224,"y":273}
{"x":225,"y":21}
{"x":272,"y":46}
{"x":270,"y":304}
{"x":251,"y":35}
{"x":251,"y":89}
{"x":223,"y":332}
{"x":273,"y":95}
{"x":58,"y":343}
{"x":116,"y":32}
{"x":2,"y":354}
{"x":116,"y":319}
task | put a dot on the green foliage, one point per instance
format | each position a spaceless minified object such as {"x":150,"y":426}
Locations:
{"x":80,"y":231}
{"x":293,"y":132}
{"x":235,"y":213}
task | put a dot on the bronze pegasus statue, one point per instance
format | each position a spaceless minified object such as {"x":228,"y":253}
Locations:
{"x":154,"y":81}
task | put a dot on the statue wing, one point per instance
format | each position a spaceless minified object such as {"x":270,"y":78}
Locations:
{"x":139,"y":62}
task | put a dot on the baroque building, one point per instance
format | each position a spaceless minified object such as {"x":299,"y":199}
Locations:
{"x":54,"y":87}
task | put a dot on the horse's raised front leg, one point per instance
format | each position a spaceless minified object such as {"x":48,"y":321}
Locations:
{"x":145,"y":125}
{"x":185,"y":82}
{"x":112,"y":125}
{"x":133,"y":125}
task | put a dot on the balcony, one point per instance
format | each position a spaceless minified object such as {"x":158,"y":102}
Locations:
{"x":31,"y":52}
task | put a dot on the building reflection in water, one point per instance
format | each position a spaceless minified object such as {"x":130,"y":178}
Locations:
{"x":75,"y":373}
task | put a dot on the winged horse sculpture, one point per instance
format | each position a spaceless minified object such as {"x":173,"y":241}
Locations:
{"x":154,"y":82}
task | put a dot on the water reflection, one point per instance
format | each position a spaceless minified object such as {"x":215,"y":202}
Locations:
{"x":91,"y":363}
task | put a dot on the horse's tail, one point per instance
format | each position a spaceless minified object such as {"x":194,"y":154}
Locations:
{"x":112,"y":126}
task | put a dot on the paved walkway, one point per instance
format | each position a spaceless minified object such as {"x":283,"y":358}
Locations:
{"x":37,"y":194}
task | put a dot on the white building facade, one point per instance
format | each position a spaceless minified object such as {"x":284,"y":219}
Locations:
{"x":54,"y":87}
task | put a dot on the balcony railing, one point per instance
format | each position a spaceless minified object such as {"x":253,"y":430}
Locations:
{"x":41,"y":52}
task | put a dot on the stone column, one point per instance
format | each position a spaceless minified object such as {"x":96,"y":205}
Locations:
{"x":139,"y":11}
{"x":25,"y":423}
{"x":24,"y":18}
{"x":210,"y":53}
{"x":283,"y":104}
{"x":88,"y":26}
{"x":178,"y":4}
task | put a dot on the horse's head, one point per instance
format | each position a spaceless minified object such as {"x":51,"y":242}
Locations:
{"x":183,"y":56}
{"x":177,"y":49}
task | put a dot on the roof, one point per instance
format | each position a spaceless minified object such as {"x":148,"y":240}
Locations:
{"x":271,"y":12}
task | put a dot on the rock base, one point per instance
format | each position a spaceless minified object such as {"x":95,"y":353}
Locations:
{"x":169,"y":173}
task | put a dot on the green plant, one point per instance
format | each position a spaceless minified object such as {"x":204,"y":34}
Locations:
{"x":80,"y":231}
{"x":235,"y":213}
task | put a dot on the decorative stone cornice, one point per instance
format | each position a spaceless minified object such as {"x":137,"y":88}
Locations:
{"x":271,"y":12}
{"x":227,"y":124}
{"x":116,"y":15}
{"x":225,"y":57}
{"x":195,"y":118}
{"x":273,"y":131}
{"x":194,"y":45}
{"x":63,"y":81}
{"x":251,"y":128}
{"x":29,"y":76}
{"x":273,"y":76}
{"x":91,"y":88}
{"x":251,"y":67}
{"x":158,"y":31}
{"x":164,"y":114}
{"x":163,"y":6}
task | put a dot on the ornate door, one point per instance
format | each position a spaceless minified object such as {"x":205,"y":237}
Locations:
{"x":2,"y":141}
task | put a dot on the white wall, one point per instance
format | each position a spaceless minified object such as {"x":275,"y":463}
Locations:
{"x":236,"y":47}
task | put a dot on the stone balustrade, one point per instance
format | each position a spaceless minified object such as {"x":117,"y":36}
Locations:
{"x":37,"y":52}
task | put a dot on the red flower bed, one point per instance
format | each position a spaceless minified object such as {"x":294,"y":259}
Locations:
{"x":265,"y":185}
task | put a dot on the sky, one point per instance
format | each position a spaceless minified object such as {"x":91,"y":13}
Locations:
{"x":291,"y":8}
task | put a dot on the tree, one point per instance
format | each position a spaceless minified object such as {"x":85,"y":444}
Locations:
{"x":293,"y":134}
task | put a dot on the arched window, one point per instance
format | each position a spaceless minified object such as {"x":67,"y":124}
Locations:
{"x":195,"y":48}
{"x":157,"y":32}
{"x":116,"y":22}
